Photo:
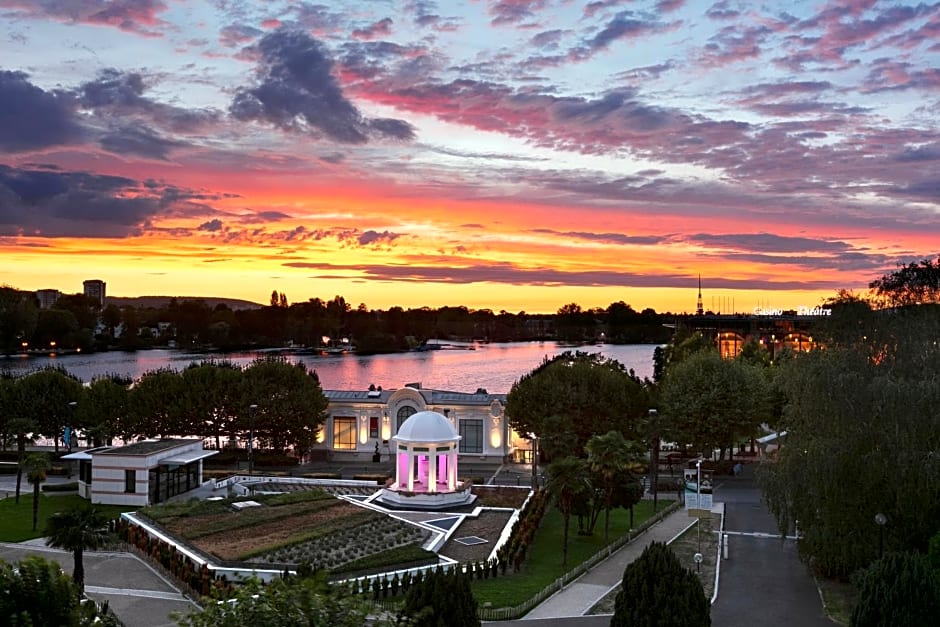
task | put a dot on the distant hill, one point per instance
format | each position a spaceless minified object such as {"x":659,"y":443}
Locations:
{"x":160,"y":302}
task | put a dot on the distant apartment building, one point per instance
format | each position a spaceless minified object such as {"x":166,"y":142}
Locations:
{"x":95,"y":289}
{"x":47,"y":298}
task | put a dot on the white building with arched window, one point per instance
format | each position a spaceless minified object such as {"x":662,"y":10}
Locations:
{"x":359,"y":423}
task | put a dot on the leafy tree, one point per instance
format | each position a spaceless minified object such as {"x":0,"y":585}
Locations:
{"x":917,"y":283}
{"x":158,"y":405}
{"x":898,"y":590}
{"x":44,"y":397}
{"x":590,"y":392}
{"x":713,"y":402}
{"x":104,"y":409}
{"x":658,"y":591}
{"x":37,"y":592}
{"x":37,"y":465}
{"x":441,"y":598}
{"x":291,"y":404}
{"x":862,"y":435}
{"x":567,"y":486}
{"x":212,"y":398}
{"x":76,"y":530}
{"x":285,"y":602}
{"x":611,"y":459}
{"x":18,"y":317}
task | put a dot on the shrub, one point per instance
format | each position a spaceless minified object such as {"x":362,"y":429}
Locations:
{"x":898,"y":589}
{"x":60,"y":487}
{"x":658,"y":591}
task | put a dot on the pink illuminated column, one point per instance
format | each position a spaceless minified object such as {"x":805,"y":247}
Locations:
{"x":404,"y":475}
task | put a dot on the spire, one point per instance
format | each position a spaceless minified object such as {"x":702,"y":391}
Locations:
{"x":699,"y":309}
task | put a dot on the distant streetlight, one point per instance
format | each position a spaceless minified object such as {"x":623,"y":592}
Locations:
{"x":251,"y":436}
{"x":698,"y":557}
{"x":880,"y":520}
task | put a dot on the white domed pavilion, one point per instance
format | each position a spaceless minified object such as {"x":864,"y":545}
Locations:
{"x":425,"y":451}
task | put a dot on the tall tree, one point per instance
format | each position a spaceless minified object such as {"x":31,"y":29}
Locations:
{"x":611,"y":459}
{"x":567,"y":486}
{"x":712,"y":402}
{"x":104,"y":410}
{"x":18,"y":316}
{"x":212,"y":398}
{"x":37,"y":465}
{"x":898,"y":589}
{"x":658,"y":591}
{"x":44,"y":400}
{"x":592,"y":393}
{"x":917,"y":283}
{"x":158,"y":405}
{"x":76,"y":530}
{"x":290,"y":403}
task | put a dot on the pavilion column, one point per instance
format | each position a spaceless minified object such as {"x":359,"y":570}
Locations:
{"x":432,"y":470}
{"x":452,"y":470}
{"x":411,"y":470}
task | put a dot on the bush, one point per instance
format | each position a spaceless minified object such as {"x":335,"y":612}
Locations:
{"x":658,"y":591}
{"x":899,"y":590}
{"x":60,"y":487}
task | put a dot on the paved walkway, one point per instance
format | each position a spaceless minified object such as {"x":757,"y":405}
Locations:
{"x":579,"y":596}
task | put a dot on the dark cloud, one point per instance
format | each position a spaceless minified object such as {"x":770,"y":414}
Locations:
{"x":138,"y":140}
{"x":211,"y":225}
{"x":369,"y":238}
{"x":74,"y":204}
{"x":769,"y":243}
{"x":446,"y":271}
{"x":515,"y":11}
{"x":606,"y":238}
{"x":723,"y":10}
{"x":238,"y":35}
{"x":624,"y":26}
{"x":382,"y":28}
{"x":32,"y":118}
{"x":138,"y":16}
{"x":920,"y":153}
{"x":297,"y":92}
{"x":116,"y":94}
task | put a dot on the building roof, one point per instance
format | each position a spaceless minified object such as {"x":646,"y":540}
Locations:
{"x":426,"y":427}
{"x":432,"y":397}
{"x":148,"y":447}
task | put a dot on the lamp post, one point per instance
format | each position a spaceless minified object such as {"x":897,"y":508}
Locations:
{"x":251,"y":437}
{"x":68,"y":429}
{"x":654,"y":456}
{"x":535,"y":461}
{"x":880,"y":520}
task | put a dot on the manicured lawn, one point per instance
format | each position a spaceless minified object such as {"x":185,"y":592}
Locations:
{"x":543,"y":561}
{"x":16,"y":521}
{"x":839,"y":599}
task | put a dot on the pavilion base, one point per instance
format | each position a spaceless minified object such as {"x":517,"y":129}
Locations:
{"x":426,"y":500}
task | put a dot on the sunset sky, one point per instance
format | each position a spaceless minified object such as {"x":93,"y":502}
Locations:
{"x":513,"y":155}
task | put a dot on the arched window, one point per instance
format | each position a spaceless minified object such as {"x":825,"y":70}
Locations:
{"x":404,"y":413}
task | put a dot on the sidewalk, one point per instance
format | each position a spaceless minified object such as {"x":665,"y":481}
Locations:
{"x":578,"y":597}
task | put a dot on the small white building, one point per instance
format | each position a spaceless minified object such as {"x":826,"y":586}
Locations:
{"x":143,"y":473}
{"x":362,"y":423}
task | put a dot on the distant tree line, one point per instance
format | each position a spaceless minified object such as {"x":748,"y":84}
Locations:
{"x":282,"y":404}
{"x":77,"y":322}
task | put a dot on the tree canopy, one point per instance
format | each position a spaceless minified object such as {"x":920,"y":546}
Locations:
{"x":590,"y":393}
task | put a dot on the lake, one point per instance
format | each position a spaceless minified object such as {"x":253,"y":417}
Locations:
{"x":494,"y":367}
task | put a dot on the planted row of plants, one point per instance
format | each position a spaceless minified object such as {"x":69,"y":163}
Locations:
{"x":523,"y":531}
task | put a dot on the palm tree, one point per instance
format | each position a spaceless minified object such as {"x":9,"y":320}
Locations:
{"x":611,"y":458}
{"x":567,"y":486}
{"x":37,"y":465}
{"x":75,"y":530}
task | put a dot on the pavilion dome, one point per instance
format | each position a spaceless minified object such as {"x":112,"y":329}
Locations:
{"x":427,"y":426}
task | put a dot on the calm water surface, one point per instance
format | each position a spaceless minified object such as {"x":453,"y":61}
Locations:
{"x":492,"y":366}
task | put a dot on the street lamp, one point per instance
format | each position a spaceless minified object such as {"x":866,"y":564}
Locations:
{"x":251,"y":436}
{"x":68,"y":430}
{"x":880,"y":520}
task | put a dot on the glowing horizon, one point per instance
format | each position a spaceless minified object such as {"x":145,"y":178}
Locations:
{"x":511,"y":156}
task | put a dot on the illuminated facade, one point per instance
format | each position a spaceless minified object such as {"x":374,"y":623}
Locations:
{"x":785,"y":331}
{"x":364,"y":423}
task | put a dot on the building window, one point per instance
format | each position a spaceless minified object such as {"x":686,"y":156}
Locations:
{"x":471,"y":436}
{"x":404,"y":414}
{"x":374,"y":427}
{"x":344,"y":432}
{"x":130,"y":481}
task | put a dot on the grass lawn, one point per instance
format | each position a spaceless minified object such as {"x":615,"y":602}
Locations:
{"x":543,"y":560}
{"x":839,"y":599}
{"x":16,"y":521}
